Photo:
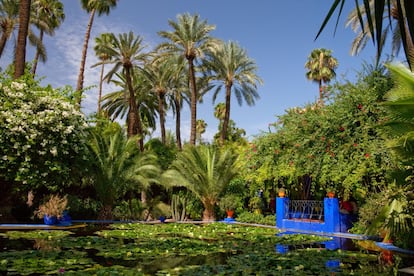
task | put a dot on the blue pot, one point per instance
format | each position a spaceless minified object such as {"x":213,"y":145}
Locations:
{"x":65,"y":220}
{"x":50,"y":220}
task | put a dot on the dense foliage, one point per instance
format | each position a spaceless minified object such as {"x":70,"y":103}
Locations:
{"x":42,"y":135}
{"x":337,"y":146}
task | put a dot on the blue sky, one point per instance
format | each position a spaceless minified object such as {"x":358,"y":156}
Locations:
{"x":278,"y":35}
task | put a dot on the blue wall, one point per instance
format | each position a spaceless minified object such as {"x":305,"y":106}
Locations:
{"x":333,"y":221}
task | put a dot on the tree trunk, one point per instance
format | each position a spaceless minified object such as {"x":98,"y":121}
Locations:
{"x":320,"y":92}
{"x":134,"y":122}
{"x":100,"y":89}
{"x":36,"y":58}
{"x":3,"y":41}
{"x":161,"y":96}
{"x":178,"y":124}
{"x":208,"y":215}
{"x":194,"y":99}
{"x":79,"y":86}
{"x":24,"y":18}
{"x":226,"y":120}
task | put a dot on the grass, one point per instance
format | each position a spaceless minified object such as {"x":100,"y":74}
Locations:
{"x":179,"y":249}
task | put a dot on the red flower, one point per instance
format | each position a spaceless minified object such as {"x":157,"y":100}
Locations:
{"x":341,"y":128}
{"x":359,"y":106}
{"x":355,"y":145}
{"x":367,"y":155}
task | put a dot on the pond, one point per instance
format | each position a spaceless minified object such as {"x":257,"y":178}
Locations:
{"x":182,"y":249}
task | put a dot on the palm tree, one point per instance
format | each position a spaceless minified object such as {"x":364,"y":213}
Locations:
{"x":206,"y":171}
{"x":103,"y":39}
{"x":92,"y":7}
{"x":9,"y":18}
{"x":201,"y":129}
{"x":231,"y":68}
{"x":117,"y":166}
{"x":401,"y":9}
{"x":321,"y":68}
{"x":160,"y":76}
{"x":48,"y":15}
{"x":20,"y":56}
{"x":116,"y":103}
{"x":9,"y":21}
{"x":190,"y":38}
{"x":126,"y":53}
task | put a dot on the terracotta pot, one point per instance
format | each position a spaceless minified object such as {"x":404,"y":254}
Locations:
{"x":230,"y":213}
{"x":331,"y":194}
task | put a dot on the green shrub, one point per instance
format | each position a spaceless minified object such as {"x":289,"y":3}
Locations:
{"x":249,"y":217}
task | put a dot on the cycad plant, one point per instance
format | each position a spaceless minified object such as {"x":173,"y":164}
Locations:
{"x":118,"y":166}
{"x":206,"y":171}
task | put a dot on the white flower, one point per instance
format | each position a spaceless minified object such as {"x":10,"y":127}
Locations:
{"x":17,"y":85}
{"x":54,"y":151}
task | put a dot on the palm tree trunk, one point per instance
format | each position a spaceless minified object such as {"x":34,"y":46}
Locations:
{"x":79,"y":86}
{"x":24,"y":18}
{"x":3,"y":40}
{"x":100,"y":89}
{"x":134,"y":122}
{"x":193,"y":102}
{"x":208,"y":213}
{"x":36,"y":58}
{"x":161,"y":96}
{"x":320,"y":92}
{"x":178,"y":123}
{"x":226,"y":120}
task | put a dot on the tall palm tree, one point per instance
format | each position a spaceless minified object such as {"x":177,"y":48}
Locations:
{"x":206,"y":171}
{"x":47,"y":15}
{"x":372,"y":21}
{"x":190,"y":38}
{"x":116,"y":103}
{"x":20,"y":56}
{"x":160,"y":76}
{"x":117,"y":166}
{"x":321,"y":67}
{"x":91,"y":6}
{"x":230,"y":67}
{"x":126,"y":53}
{"x":103,"y":39}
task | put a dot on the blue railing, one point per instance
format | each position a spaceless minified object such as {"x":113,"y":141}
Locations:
{"x":304,"y":209}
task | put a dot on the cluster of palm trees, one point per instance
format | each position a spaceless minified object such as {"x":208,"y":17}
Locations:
{"x":46,"y":16}
{"x":181,"y":69}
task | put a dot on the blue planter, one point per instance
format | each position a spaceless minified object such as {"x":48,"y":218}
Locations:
{"x":65,"y":220}
{"x":50,"y":220}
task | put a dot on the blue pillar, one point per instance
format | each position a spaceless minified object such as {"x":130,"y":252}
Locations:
{"x":281,"y":210}
{"x":331,"y":213}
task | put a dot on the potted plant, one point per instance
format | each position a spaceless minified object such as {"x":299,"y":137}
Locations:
{"x":52,"y":210}
{"x":282,"y":192}
{"x":330,"y":193}
{"x":229,"y":203}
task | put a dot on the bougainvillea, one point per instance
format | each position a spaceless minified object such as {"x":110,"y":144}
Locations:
{"x":336,"y":146}
{"x":42,"y":135}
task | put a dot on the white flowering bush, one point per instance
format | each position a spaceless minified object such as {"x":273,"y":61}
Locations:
{"x":42,"y":135}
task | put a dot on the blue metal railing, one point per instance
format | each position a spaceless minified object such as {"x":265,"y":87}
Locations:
{"x":304,"y":209}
